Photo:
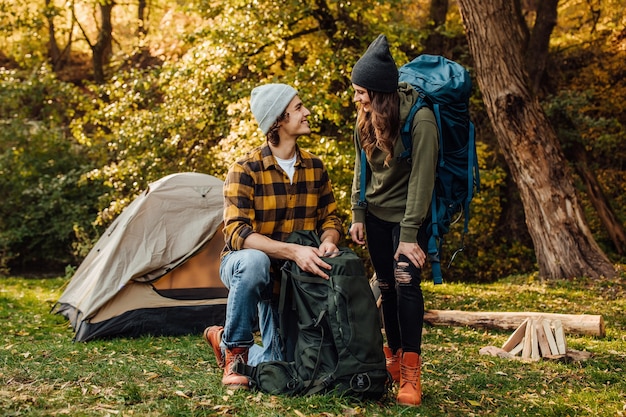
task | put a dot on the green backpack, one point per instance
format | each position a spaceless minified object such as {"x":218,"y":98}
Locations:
{"x":333,"y":327}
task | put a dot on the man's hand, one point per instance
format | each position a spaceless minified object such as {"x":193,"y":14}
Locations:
{"x":309,"y":258}
{"x":329,"y":249}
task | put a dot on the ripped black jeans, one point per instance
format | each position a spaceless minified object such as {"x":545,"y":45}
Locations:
{"x":399,"y":283}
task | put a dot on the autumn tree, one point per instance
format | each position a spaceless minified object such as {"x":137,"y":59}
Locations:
{"x":102,"y":48}
{"x":434,"y":43}
{"x":175,"y":97}
{"x":563,"y":242}
{"x":537,"y":57}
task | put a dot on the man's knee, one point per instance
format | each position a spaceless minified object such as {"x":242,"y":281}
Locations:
{"x":248,"y":265}
{"x":253,"y":258}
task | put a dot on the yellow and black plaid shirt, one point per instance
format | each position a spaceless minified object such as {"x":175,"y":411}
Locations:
{"x":258,"y":197}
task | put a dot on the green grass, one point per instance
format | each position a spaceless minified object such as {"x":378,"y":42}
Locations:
{"x":44,"y":373}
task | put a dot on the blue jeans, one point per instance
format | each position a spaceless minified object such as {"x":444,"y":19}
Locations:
{"x":246,"y":274}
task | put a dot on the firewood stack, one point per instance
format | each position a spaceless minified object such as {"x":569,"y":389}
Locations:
{"x":537,"y":338}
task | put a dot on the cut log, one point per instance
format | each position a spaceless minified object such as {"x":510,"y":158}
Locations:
{"x":559,"y":336}
{"x":518,"y":349}
{"x":535,"y":345}
{"x":551,"y":341}
{"x":585,"y":324}
{"x":528,"y":341}
{"x":516,"y":337}
{"x":544,"y":346}
{"x":534,"y":339}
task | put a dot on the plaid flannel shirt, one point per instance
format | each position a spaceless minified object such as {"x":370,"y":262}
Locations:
{"x":258,"y":197}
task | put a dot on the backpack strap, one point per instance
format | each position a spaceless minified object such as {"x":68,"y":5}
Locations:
{"x":363,"y":182}
{"x":440,"y":133}
{"x":473,"y":180}
{"x":434,"y":243}
{"x":318,"y":324}
{"x":318,"y":321}
{"x":320,"y":385}
{"x":472,"y":172}
{"x":314,"y":385}
{"x":282,"y":302}
{"x":405,"y":133}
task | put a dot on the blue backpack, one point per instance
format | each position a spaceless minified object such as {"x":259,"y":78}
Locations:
{"x":445,"y":87}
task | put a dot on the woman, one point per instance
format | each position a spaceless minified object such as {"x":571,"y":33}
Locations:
{"x":398,"y":192}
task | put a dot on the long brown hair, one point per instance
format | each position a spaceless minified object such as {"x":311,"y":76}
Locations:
{"x":380,"y":126}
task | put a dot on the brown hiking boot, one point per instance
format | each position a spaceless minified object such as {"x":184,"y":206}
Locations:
{"x":231,"y":378}
{"x":393,"y":362}
{"x":213,"y":336}
{"x":410,"y":392}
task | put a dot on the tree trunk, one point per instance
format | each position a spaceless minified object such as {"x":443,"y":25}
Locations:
{"x":54,"y":52}
{"x":537,"y":57}
{"x":142,"y":30}
{"x":578,"y":155}
{"x":537,"y":52}
{"x":102,"y":49}
{"x":563,"y":243}
{"x":512,"y":223}
{"x":434,"y":43}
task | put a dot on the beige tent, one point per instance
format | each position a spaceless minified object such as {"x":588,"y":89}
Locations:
{"x":155,"y":270}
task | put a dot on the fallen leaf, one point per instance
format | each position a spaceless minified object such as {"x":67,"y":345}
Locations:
{"x":151,"y":375}
{"x":181,"y":394}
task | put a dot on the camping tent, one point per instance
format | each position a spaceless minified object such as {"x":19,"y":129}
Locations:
{"x":155,"y":270}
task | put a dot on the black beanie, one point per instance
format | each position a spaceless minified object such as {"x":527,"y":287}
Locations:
{"x":376,"y":70}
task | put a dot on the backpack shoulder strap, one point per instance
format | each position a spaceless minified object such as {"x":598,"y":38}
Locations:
{"x":473,"y":175}
{"x":363,"y":182}
{"x":282,"y":304}
{"x":363,"y":177}
{"x":405,"y":133}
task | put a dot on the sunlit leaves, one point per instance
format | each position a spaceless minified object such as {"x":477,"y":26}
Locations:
{"x":189,"y":110}
{"x":41,"y":167}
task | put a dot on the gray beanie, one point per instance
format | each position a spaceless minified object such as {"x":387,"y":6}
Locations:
{"x":376,"y":70}
{"x":269,"y":101}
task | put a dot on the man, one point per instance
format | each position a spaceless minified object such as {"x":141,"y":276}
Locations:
{"x":276,"y":189}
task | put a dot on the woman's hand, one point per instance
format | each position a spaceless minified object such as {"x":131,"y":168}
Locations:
{"x":413,"y":252}
{"x":357,"y":233}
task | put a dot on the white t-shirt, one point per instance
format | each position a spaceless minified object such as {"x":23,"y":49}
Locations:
{"x":288,"y":165}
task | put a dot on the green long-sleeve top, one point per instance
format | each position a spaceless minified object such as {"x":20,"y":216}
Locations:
{"x":402,"y":191}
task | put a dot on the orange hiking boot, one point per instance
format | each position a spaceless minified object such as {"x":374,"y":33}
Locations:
{"x":393,"y":362}
{"x":213,"y":336}
{"x":231,"y":378}
{"x":410,"y":392}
